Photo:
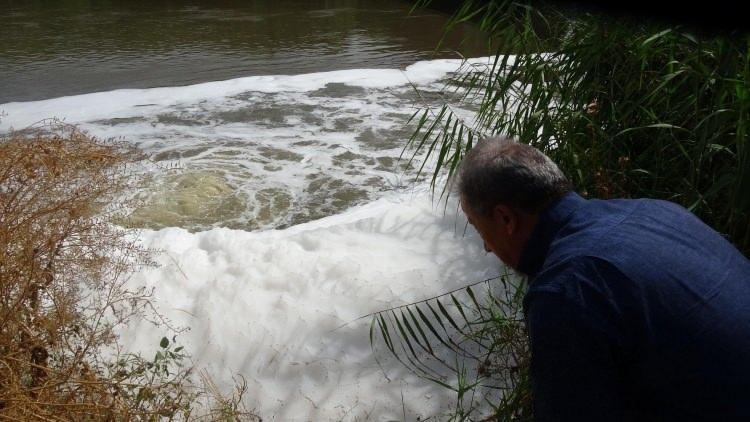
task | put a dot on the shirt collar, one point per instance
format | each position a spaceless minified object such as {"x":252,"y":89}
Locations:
{"x":549,"y":223}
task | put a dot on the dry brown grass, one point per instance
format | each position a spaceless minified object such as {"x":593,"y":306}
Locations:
{"x":63,"y":269}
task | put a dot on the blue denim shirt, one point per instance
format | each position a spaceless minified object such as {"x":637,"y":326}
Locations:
{"x":636,"y":310}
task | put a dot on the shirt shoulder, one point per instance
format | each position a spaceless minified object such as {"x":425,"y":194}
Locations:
{"x":642,"y":238}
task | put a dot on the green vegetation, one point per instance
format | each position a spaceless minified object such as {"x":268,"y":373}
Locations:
{"x":471,"y":341}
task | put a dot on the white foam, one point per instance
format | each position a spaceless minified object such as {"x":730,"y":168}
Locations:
{"x":135,"y":102}
{"x":320,"y":151}
{"x":266,"y":305}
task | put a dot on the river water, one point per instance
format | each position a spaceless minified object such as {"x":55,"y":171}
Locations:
{"x":67,"y":47}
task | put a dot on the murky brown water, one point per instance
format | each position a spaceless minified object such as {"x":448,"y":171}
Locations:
{"x":65,"y":47}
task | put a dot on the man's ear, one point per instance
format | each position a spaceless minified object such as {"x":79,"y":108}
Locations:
{"x":505,"y":217}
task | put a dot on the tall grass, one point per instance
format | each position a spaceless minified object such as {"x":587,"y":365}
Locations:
{"x":626,"y":108}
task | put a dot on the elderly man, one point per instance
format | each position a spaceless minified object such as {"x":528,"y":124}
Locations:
{"x":636,"y":310}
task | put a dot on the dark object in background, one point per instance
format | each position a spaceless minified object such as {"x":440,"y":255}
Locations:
{"x":719,"y":16}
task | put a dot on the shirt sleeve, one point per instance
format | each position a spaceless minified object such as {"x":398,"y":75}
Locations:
{"x":573,"y":370}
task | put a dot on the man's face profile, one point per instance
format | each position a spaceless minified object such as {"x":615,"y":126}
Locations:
{"x":497,"y":232}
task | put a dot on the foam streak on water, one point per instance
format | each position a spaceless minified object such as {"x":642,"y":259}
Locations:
{"x":261,"y":151}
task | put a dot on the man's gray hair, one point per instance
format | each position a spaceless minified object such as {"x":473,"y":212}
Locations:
{"x":500,"y":170}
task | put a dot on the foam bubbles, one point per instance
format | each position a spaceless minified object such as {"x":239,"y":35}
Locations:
{"x":267,"y":305}
{"x":260,"y":152}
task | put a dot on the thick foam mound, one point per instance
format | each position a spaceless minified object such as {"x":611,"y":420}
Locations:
{"x":267,"y":305}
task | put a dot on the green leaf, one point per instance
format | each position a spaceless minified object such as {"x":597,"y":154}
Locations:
{"x":655,"y":37}
{"x":403,"y":334}
{"x":653,"y":126}
{"x":430,"y":326}
{"x":164,"y":343}
{"x":421,"y":331}
{"x":460,"y":309}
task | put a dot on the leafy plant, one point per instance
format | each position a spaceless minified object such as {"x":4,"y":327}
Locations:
{"x":470,"y":341}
